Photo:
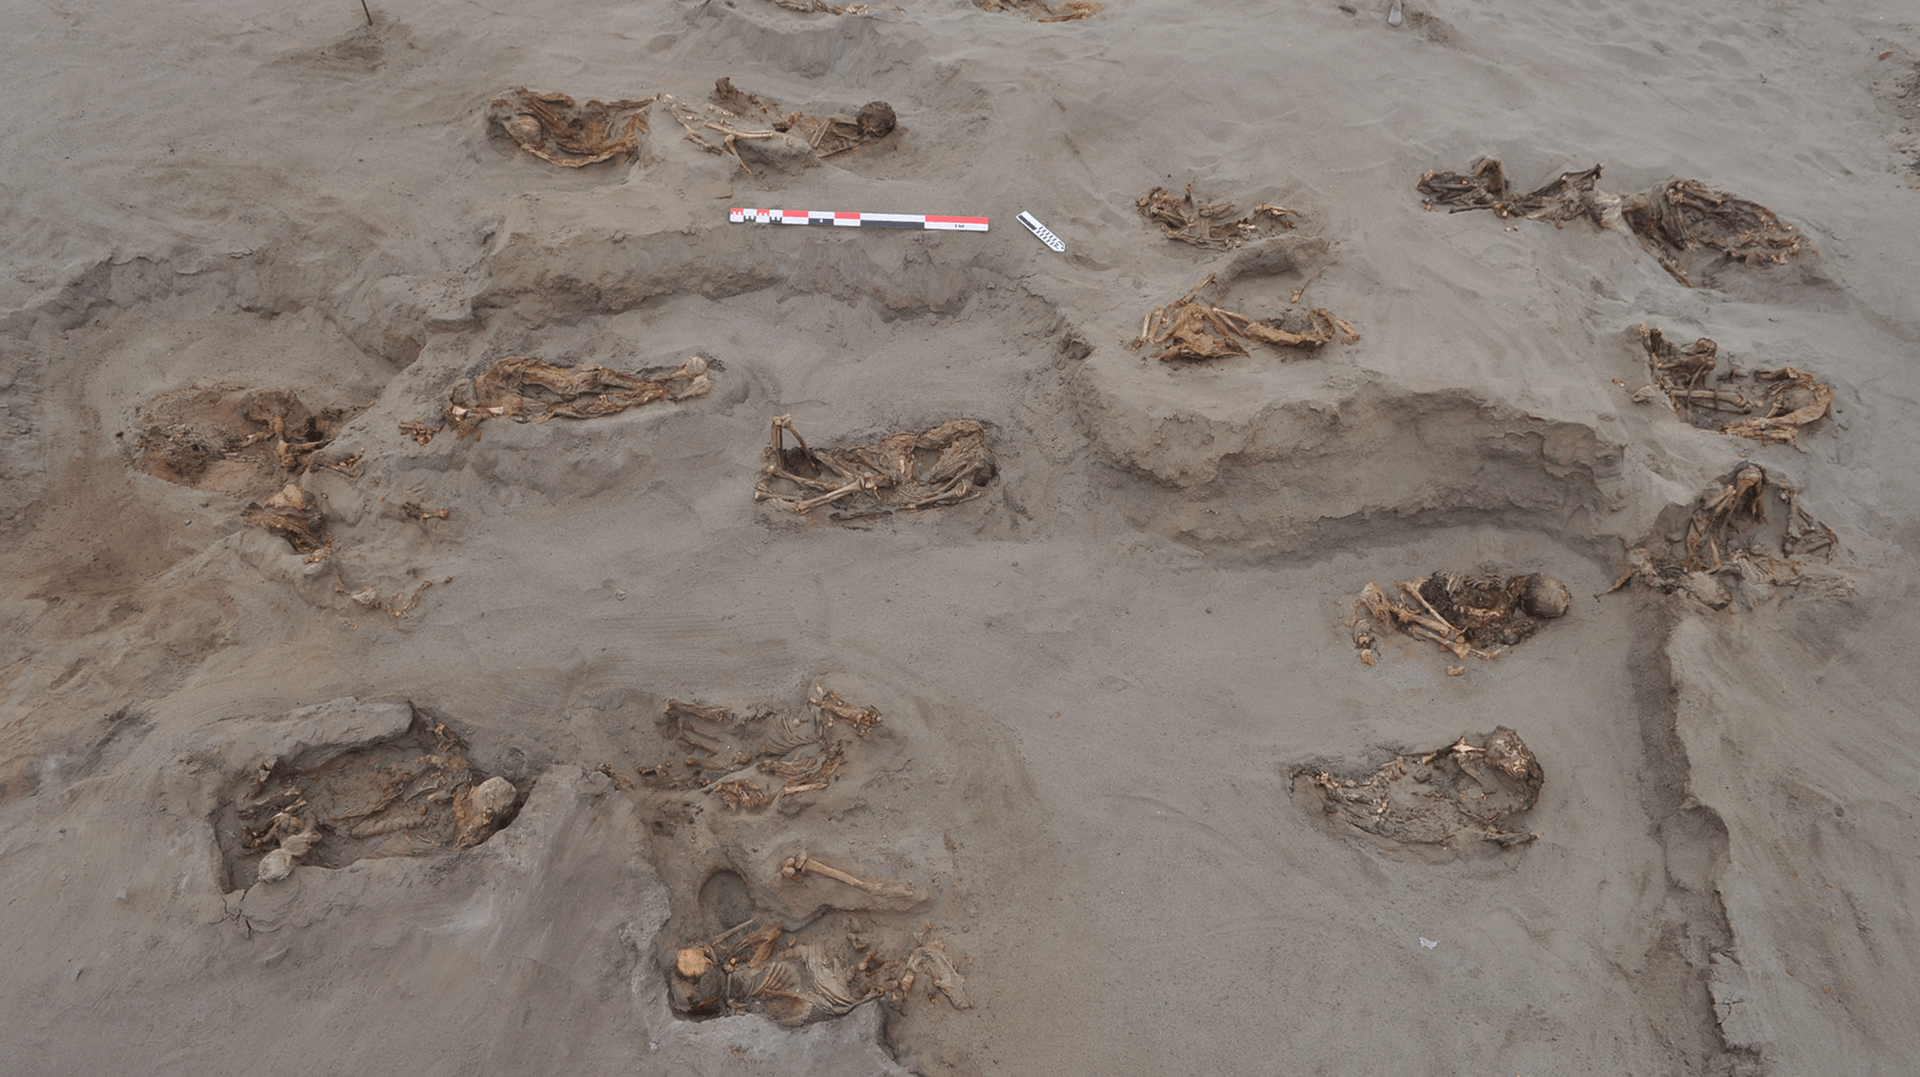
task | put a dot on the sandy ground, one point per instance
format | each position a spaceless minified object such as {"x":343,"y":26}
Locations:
{"x":1097,"y":680}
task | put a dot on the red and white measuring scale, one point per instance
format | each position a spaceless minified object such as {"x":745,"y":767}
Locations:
{"x":856,"y":220}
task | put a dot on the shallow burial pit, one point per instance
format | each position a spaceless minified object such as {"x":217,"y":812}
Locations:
{"x":1211,"y":223}
{"x":412,"y":794}
{"x":1747,"y":535}
{"x":760,"y":924}
{"x":235,"y":440}
{"x":1041,"y":11}
{"x":752,"y":127}
{"x":1194,"y":327}
{"x":1764,"y":405}
{"x":940,"y":466}
{"x":1693,"y":229}
{"x":557,"y":129}
{"x":526,"y":389}
{"x":1435,"y":803}
{"x":246,"y":443}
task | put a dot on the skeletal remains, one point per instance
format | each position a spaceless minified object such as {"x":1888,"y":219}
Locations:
{"x":415,"y":794}
{"x":505,"y":390}
{"x":194,"y":429}
{"x":796,"y":867}
{"x":293,"y":515}
{"x":1671,"y":217}
{"x":1194,"y":329}
{"x":1448,"y":797}
{"x":1479,"y":615}
{"x":552,"y":127}
{"x":1787,"y":398}
{"x":824,"y":8}
{"x":932,"y":468}
{"x":826,"y":135}
{"x":1200,"y":223}
{"x":1682,"y":214}
{"x":248,"y":441}
{"x":771,"y":971}
{"x":1729,"y":533}
{"x":397,"y":607}
{"x":1484,"y":186}
{"x":759,"y":757}
{"x":1040,"y":11}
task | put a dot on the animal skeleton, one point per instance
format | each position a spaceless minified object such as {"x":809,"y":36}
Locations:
{"x":1791,"y":399}
{"x":583,"y":392}
{"x":1724,"y":536}
{"x":1200,"y":224}
{"x":1469,"y":615}
{"x":1189,"y":328}
{"x":763,"y":756}
{"x":1467,"y":790}
{"x":552,"y":127}
{"x":1671,"y":217}
{"x":939,"y":466}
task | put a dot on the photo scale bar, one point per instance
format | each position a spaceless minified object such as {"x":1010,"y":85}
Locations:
{"x":857,"y":220}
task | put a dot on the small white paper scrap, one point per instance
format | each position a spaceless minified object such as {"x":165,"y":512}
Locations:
{"x":1428,"y":943}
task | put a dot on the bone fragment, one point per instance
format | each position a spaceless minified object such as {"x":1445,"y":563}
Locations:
{"x":797,"y":866}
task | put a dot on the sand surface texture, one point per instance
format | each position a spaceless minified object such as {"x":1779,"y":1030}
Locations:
{"x":1061,"y":674}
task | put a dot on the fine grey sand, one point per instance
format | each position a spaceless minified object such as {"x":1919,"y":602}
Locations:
{"x":1106,"y":683}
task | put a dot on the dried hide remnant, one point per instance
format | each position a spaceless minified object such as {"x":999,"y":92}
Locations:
{"x":1040,"y":11}
{"x":932,"y":468}
{"x":1201,"y":223}
{"x":751,"y":761}
{"x":827,"y":136}
{"x":1730,"y":534}
{"x":1484,"y":186}
{"x":1786,"y":399}
{"x":1194,"y":329}
{"x":1792,"y":399}
{"x":1681,"y":214}
{"x":294,"y":515}
{"x":583,"y":392}
{"x":1480,"y":615}
{"x":1462,"y":794}
{"x":553,"y":128}
{"x":409,"y":795}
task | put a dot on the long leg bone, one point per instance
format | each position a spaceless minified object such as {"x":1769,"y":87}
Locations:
{"x":785,"y":423}
{"x":797,"y":866}
{"x":774,"y":471}
{"x":1413,"y":589}
{"x":802,"y":507}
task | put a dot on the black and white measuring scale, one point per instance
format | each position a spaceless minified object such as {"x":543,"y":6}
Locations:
{"x":1033,"y":225}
